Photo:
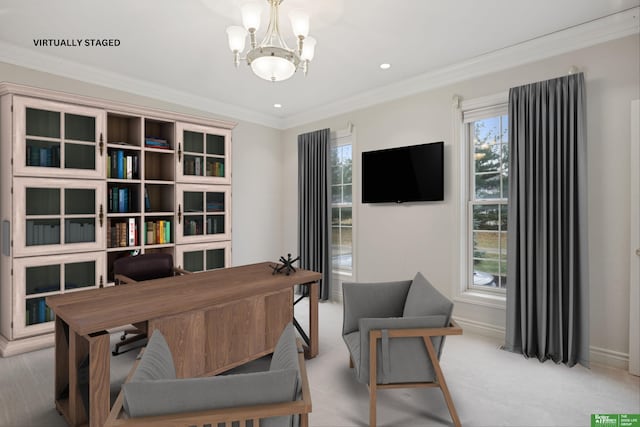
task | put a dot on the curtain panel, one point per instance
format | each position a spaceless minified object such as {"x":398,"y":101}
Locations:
{"x":314,"y":206}
{"x":548,"y":287}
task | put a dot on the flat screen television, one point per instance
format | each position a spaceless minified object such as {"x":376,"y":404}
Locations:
{"x":405,"y":174}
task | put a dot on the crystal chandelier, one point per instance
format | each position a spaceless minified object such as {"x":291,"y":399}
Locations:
{"x":271,"y":59}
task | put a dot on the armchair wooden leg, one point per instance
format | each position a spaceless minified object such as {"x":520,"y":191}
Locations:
{"x":441,"y":381}
{"x":373,"y":380}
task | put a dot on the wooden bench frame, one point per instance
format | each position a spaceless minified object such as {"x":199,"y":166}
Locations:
{"x":225,"y":416}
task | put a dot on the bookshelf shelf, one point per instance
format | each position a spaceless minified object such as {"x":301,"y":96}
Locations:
{"x":92,"y":181}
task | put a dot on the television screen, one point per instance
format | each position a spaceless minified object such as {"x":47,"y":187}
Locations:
{"x":405,"y":174}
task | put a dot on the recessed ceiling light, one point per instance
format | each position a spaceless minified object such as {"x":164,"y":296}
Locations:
{"x":277,"y":105}
{"x":385,"y":66}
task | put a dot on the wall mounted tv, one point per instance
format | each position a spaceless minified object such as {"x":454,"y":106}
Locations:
{"x":406,"y":174}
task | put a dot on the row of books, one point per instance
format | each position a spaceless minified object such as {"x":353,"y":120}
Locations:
{"x":157,"y":143}
{"x":157,"y":232}
{"x":193,"y":166}
{"x":193,"y":227}
{"x":38,"y":312}
{"x":43,"y":156}
{"x":122,"y":200}
{"x":122,"y":233}
{"x":120,"y":165}
{"x":42,"y":233}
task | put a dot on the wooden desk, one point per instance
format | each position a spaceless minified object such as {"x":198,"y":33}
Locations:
{"x":212,"y":321}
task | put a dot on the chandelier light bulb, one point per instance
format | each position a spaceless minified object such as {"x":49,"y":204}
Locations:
{"x":251,"y":15}
{"x":299,"y":22}
{"x":237,"y":36}
{"x":308,"y":49}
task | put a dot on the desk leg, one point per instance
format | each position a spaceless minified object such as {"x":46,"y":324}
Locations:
{"x":314,"y":290}
{"x":78,"y":351}
{"x":99,"y":378}
{"x":61,"y":366}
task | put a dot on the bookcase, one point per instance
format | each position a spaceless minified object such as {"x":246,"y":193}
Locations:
{"x":86,"y":181}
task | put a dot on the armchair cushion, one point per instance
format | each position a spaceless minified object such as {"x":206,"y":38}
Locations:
{"x":404,"y":354}
{"x":164,"y":397}
{"x":424,"y":299}
{"x":156,"y":362}
{"x":285,"y":356}
{"x":384,"y":299}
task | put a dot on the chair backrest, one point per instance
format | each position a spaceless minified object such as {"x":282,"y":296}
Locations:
{"x":145,"y":266}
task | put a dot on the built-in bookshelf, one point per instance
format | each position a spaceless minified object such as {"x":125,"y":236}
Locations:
{"x":93,"y":181}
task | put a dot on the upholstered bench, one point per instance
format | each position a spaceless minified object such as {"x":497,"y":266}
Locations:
{"x":153,"y":396}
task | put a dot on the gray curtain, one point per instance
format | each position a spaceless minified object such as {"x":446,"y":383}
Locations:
{"x":314,"y":206}
{"x":548,"y":287}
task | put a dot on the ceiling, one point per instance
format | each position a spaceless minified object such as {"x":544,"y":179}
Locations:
{"x":177,"y":50}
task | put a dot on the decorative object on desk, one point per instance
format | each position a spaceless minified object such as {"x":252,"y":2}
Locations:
{"x":287,"y":265}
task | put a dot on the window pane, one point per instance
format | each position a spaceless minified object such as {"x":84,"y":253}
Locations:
{"x":215,"y":259}
{"x":79,"y":156}
{"x":348,"y":198}
{"x":505,"y":128}
{"x":487,"y":157}
{"x":485,"y":217}
{"x":346,"y":218}
{"x":193,"y":141}
{"x":488,"y":186}
{"x":43,"y":201}
{"x":79,"y":274}
{"x":43,"y":123}
{"x":78,"y":230}
{"x":41,"y":279}
{"x":485,"y":273}
{"x":336,"y":175}
{"x":503,"y":217}
{"x":335,"y":216}
{"x":79,"y":201}
{"x":485,"y":244}
{"x":193,"y":201}
{"x":336,"y":194}
{"x":215,"y":144}
{"x":43,"y":153}
{"x":80,"y":128}
{"x":193,"y":261}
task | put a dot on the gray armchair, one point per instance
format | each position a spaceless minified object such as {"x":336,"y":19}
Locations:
{"x":395,"y":333}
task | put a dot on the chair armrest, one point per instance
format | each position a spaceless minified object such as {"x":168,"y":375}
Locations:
{"x":452,"y":329}
{"x":406,"y":326}
{"x":181,"y":271}
{"x":122,"y":279}
{"x":372,"y":300}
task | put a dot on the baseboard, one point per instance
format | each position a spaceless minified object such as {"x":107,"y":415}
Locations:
{"x":600,"y":356}
{"x":12,"y":348}
{"x":609,"y":358}
{"x":480,"y":328}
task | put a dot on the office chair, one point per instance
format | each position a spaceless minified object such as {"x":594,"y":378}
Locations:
{"x":133,"y":269}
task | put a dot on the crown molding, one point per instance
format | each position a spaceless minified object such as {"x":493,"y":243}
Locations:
{"x":598,"y":31}
{"x":50,"y":64}
{"x":580,"y":36}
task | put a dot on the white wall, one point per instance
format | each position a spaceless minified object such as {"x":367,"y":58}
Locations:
{"x":256,"y":203}
{"x":396,"y":241}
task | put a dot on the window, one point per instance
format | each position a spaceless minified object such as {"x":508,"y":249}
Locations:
{"x":487,"y":200}
{"x":341,"y":206}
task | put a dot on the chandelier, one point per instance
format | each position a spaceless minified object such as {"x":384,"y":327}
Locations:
{"x":272,"y":59}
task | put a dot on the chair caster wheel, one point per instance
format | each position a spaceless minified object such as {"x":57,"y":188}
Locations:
{"x":114,"y":352}
{"x":122,"y":338}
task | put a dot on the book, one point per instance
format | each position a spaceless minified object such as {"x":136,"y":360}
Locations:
{"x":129,"y":168}
{"x":120,"y":167}
{"x":167,"y":232}
{"x":132,"y":231}
{"x":147,"y":202}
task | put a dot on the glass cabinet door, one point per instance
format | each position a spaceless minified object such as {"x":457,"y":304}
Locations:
{"x":203,"y":256}
{"x":55,"y":139}
{"x":67,"y":214}
{"x":36,"y":278}
{"x":203,"y":213}
{"x":203,"y":154}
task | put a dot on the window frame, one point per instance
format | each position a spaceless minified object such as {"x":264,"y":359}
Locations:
{"x":465,"y":112}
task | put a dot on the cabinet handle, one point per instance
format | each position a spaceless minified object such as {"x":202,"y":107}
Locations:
{"x":179,"y":214}
{"x":179,"y":152}
{"x":101,"y":145}
{"x":101,"y":215}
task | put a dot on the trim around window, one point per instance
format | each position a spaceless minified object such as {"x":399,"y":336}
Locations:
{"x":465,"y":112}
